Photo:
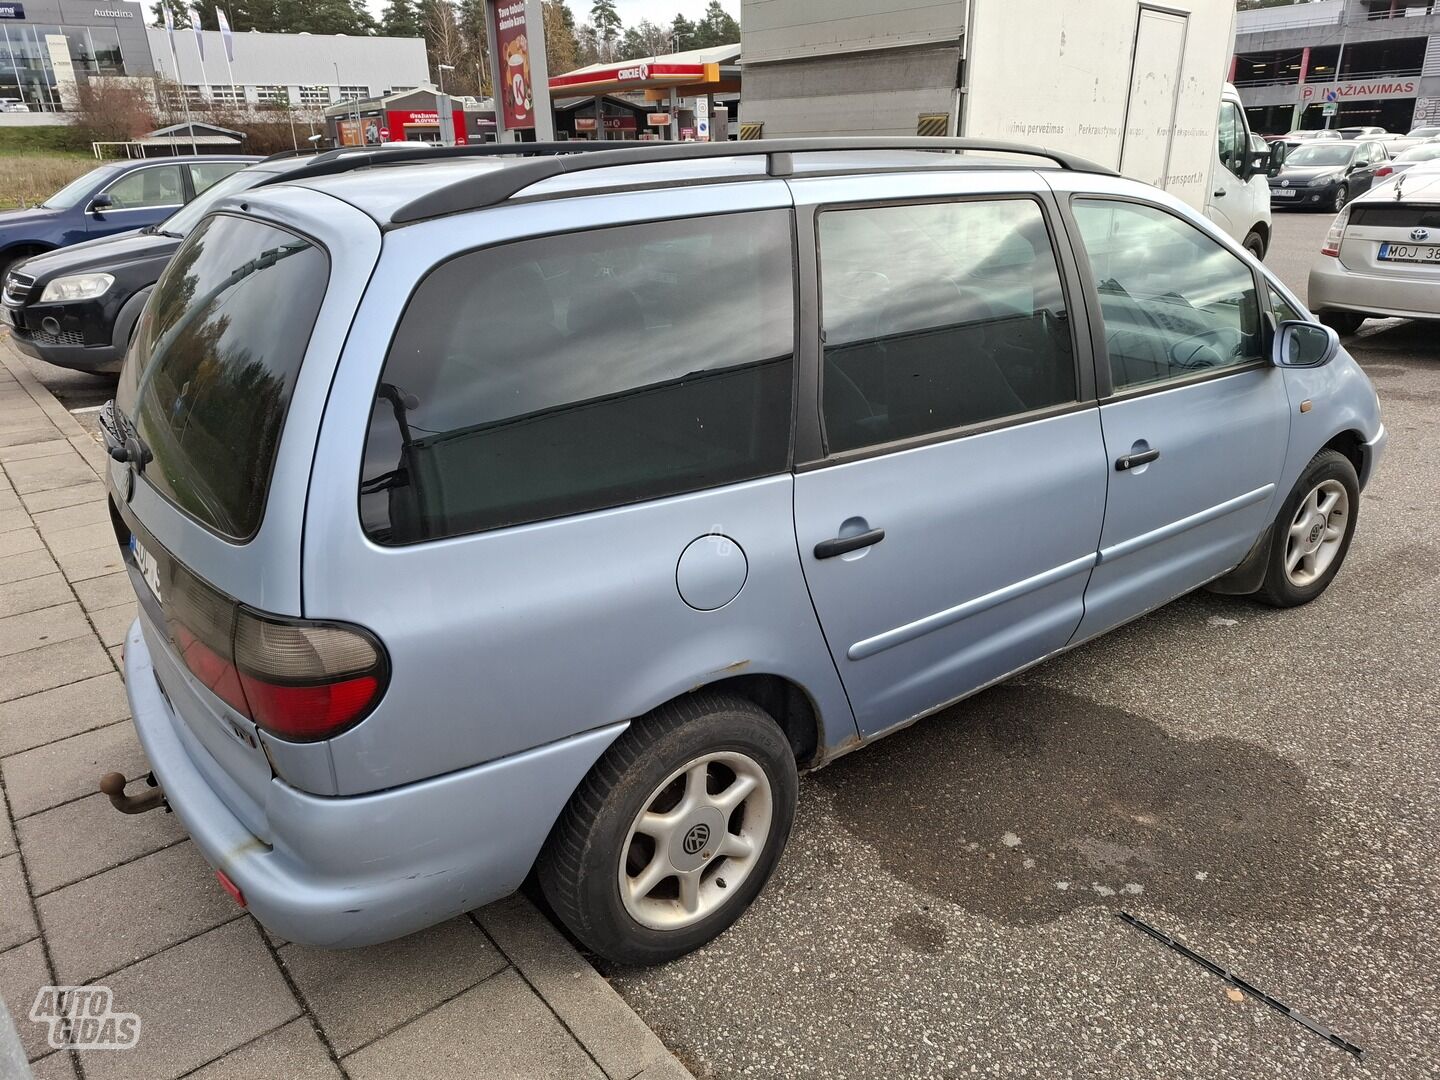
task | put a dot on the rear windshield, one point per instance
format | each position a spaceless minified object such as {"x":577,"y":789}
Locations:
{"x":213,"y":363}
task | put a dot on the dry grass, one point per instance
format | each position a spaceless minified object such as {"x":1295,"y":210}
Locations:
{"x":29,"y":178}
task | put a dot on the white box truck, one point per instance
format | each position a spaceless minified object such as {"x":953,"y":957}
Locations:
{"x":1137,"y":86}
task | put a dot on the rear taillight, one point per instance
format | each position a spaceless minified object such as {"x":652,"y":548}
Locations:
{"x":298,"y":679}
{"x":1384,"y":170}
{"x":306,"y":680}
{"x":1336,"y":233}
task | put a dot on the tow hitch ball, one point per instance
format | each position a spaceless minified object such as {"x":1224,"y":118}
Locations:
{"x":113,"y":785}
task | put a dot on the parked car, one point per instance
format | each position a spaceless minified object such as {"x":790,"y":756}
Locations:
{"x":1309,"y":135}
{"x":117,"y":197}
{"x":1362,"y":132}
{"x":1323,"y":176}
{"x":13,"y":105}
{"x":1426,"y":151}
{"x":1381,"y":258}
{"x":1424,"y":133}
{"x":542,"y":512}
{"x":77,"y":307}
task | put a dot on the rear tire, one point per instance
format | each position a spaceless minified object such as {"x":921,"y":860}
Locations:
{"x":1312,"y":533}
{"x":1343,"y":323}
{"x":685,"y":815}
{"x":1255,"y":244}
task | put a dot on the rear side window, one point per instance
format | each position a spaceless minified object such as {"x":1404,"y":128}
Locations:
{"x":571,"y":373}
{"x":214,"y":360}
{"x":939,"y":316}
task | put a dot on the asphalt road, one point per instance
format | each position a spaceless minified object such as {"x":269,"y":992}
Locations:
{"x":1262,"y":784}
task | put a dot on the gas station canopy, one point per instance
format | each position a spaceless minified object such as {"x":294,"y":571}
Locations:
{"x":699,"y":71}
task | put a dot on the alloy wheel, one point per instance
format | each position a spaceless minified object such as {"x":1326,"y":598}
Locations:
{"x":698,"y":835}
{"x":1317,"y":532}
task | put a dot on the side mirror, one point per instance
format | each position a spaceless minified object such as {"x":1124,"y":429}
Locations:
{"x":1259,"y":162}
{"x":1304,"y":345}
{"x":101,"y":202}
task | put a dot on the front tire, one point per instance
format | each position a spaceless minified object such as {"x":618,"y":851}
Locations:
{"x":1340,"y":198}
{"x":1312,"y":532}
{"x":1255,"y":244}
{"x":674,"y":831}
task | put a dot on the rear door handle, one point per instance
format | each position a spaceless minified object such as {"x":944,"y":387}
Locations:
{"x":840,"y":545}
{"x":1134,"y":461}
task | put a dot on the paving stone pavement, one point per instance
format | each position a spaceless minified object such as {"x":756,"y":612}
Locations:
{"x":90,"y":896}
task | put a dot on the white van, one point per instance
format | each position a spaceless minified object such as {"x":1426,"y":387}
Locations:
{"x":1239,"y":195}
{"x":1130,"y":85}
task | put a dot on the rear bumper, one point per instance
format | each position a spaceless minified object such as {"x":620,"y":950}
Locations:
{"x":1333,"y":287}
{"x":343,"y":872}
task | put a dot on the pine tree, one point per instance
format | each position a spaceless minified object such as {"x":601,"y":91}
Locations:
{"x":682,"y":34}
{"x":472,"y":74}
{"x":716,"y":27}
{"x":401,"y":19}
{"x":608,"y":27}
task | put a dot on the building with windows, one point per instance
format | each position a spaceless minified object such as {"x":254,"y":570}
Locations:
{"x":47,"y":46}
{"x":1376,"y":61}
{"x":308,"y":71}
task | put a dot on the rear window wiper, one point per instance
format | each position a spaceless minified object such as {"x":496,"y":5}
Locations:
{"x":122,"y":441}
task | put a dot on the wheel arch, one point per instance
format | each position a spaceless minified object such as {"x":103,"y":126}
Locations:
{"x":788,"y":703}
{"x":23,"y":249}
{"x":128,"y":317}
{"x":1352,"y":444}
{"x":1262,"y":229}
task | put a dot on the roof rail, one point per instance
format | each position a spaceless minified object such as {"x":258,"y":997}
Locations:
{"x":490,"y":188}
{"x":349,"y":158}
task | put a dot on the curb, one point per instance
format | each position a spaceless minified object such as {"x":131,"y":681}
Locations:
{"x":589,"y":1008}
{"x":58,"y":415}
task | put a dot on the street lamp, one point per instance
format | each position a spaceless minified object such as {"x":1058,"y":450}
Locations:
{"x":443,"y":68}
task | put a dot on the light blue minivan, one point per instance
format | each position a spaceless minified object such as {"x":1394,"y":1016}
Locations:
{"x":532,"y":509}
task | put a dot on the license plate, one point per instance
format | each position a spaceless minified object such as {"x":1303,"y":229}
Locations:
{"x":1416,"y":253}
{"x":1284,"y":193}
{"x":146,"y":564}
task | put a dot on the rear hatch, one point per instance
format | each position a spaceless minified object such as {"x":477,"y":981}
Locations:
{"x":1400,"y":238}
{"x":215,"y":417}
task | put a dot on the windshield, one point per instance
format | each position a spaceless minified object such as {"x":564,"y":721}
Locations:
{"x":77,"y":189}
{"x":1421,"y":153}
{"x":1425,"y":133}
{"x":1321,"y":155}
{"x":208,"y":377}
{"x":188,"y":216}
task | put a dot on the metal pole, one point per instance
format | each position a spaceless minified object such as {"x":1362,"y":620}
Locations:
{"x":184,"y":98}
{"x":674,"y":116}
{"x":1339,"y":59}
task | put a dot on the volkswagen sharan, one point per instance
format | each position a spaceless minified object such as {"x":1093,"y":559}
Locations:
{"x":549,"y":510}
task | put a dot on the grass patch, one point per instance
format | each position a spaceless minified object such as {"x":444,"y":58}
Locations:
{"x":26,"y":179}
{"x":44,"y":139}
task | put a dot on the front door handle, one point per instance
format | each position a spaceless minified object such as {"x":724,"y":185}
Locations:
{"x":840,"y":545}
{"x":1134,"y":461}
{"x":1218,"y":194}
